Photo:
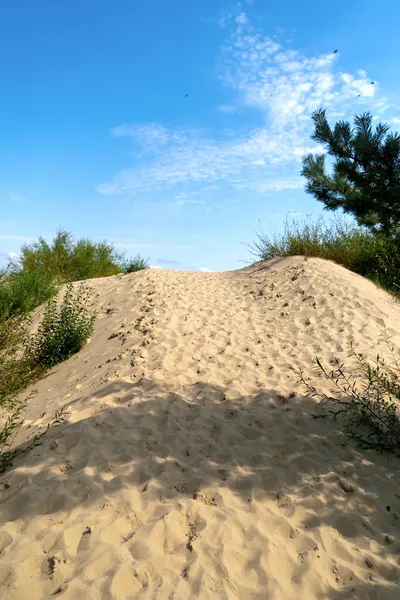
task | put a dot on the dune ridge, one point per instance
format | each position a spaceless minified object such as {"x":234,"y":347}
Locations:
{"x":192,"y":464}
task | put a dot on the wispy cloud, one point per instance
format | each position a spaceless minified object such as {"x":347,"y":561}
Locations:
{"x":14,"y":197}
{"x":156,"y":246}
{"x":228,"y":108}
{"x":283,"y":85}
{"x":276,"y":215}
{"x":169,"y":263}
{"x":17,"y":238}
{"x":186,"y":201}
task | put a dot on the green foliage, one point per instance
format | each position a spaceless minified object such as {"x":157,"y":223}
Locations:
{"x":22,"y":291}
{"x":367,"y":401}
{"x":63,"y":330}
{"x":14,"y":374}
{"x":365,"y":179}
{"x":69,"y":260}
{"x":374,"y":256}
{"x":137,"y":263}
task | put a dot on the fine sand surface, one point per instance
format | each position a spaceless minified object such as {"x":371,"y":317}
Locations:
{"x":192,"y":463}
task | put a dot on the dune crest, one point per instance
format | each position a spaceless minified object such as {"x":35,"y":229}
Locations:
{"x":192,"y":463}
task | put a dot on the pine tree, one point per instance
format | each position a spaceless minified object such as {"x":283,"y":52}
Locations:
{"x":365,"y":179}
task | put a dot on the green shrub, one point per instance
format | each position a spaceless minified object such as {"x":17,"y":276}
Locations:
{"x":366,"y":401}
{"x":63,"y":330}
{"x":22,"y":291}
{"x":15,"y":375}
{"x":374,"y":256}
{"x":137,"y":263}
{"x":69,"y":260}
{"x":23,"y":358}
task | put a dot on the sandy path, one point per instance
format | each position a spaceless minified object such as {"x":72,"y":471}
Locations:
{"x":191,"y":464}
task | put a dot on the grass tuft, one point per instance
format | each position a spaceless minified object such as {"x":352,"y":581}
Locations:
{"x":376,"y":257}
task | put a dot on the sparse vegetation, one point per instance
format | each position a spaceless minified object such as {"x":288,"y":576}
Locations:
{"x":68,"y":260}
{"x":137,"y":263}
{"x":43,"y":267}
{"x":10,"y":430}
{"x":376,"y":256}
{"x":63,"y":330}
{"x":366,"y":401}
{"x":65,"y":326}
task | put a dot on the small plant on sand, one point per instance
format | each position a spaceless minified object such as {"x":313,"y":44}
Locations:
{"x":367,"y":400}
{"x":15,"y":375}
{"x":137,"y":263}
{"x":63,"y":330}
{"x":14,"y":421}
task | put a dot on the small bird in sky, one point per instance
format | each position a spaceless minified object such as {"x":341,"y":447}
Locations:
{"x":372,"y":82}
{"x":359,"y":96}
{"x":335,"y":51}
{"x":186,"y":95}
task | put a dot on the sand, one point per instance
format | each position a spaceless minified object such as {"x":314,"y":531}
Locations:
{"x":192,"y":463}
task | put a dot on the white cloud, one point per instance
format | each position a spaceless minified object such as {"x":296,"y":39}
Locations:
{"x":284,"y":86}
{"x":155,"y":267}
{"x":227,"y":108}
{"x":241,"y":19}
{"x":183,"y":202}
{"x":156,"y":246}
{"x":17,"y":238}
{"x":206,"y":270}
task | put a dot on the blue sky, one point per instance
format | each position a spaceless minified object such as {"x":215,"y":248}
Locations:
{"x":172,"y":128}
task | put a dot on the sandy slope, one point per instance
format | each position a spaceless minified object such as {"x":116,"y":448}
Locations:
{"x":191,"y":464}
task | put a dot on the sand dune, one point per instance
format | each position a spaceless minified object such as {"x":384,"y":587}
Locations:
{"x":192,"y":464}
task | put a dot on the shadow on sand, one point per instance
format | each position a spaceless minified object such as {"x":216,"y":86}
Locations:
{"x":170,"y":446}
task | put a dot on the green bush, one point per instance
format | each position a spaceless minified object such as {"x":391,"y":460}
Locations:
{"x":22,"y":291}
{"x":366,"y":401}
{"x":14,"y":373}
{"x":137,"y":263}
{"x":68,"y":260}
{"x":63,"y":330}
{"x":374,"y":256}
